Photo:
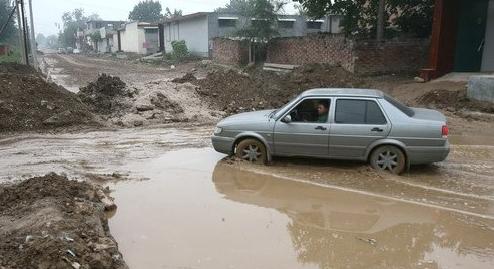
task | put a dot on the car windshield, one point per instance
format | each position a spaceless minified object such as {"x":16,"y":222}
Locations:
{"x":403,"y":108}
{"x":280,"y":110}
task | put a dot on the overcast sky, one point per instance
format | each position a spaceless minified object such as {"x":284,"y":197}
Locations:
{"x":49,"y":12}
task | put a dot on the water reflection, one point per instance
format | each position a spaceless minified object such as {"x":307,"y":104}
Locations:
{"x":335,"y":229}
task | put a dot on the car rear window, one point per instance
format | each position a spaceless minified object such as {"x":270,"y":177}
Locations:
{"x":352,"y":111}
{"x":403,"y":108}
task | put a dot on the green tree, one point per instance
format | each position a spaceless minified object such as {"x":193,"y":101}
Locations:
{"x":411,"y":17}
{"x":146,"y":11}
{"x":262,"y":18}
{"x":74,"y":21}
{"x":10,"y":31}
{"x":172,"y":14}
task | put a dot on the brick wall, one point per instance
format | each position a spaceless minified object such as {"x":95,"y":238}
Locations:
{"x":318,"y":48}
{"x":362,"y":57}
{"x":391,"y":56}
{"x":227,"y":51}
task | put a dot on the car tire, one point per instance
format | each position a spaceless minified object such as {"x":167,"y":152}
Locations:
{"x":388,"y":158}
{"x":251,"y":150}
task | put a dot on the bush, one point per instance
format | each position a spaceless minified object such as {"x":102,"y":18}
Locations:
{"x":180,"y":50}
{"x":14,"y":56}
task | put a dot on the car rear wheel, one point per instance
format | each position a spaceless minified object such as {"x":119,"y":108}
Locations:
{"x":251,"y":150}
{"x":388,"y":158}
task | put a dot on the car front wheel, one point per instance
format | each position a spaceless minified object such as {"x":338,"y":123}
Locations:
{"x":251,"y":150}
{"x":388,"y":158}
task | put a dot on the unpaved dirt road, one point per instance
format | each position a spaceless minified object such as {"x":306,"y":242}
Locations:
{"x":181,"y":206}
{"x":73,"y":71}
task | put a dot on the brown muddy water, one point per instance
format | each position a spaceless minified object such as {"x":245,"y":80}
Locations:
{"x":196,"y":210}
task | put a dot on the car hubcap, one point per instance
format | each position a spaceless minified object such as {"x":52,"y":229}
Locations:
{"x":251,"y":153}
{"x":387,"y":160}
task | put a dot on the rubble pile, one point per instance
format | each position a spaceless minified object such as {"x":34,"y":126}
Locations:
{"x":106,"y":95}
{"x":453,"y":101}
{"x":52,"y":222}
{"x":28,"y":102}
{"x":234,"y":91}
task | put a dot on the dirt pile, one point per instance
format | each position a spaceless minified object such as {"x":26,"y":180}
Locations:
{"x":51,"y":222}
{"x":106,"y":94}
{"x":188,"y":77}
{"x":28,"y":102}
{"x":233,"y":91}
{"x":454,"y":101}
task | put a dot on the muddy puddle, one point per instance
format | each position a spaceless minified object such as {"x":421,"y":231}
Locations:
{"x":93,"y":153}
{"x":197,"y":211}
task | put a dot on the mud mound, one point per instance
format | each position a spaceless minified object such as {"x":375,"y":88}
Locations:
{"x":188,"y":77}
{"x":51,"y":222}
{"x":106,"y":94}
{"x":16,"y":68}
{"x":105,"y":85}
{"x":453,"y":100}
{"x":233,"y":91}
{"x":28,"y":102}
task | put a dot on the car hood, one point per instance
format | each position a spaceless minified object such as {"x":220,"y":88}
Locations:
{"x":254,"y":116}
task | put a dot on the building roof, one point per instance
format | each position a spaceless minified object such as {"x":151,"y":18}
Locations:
{"x":188,"y":16}
{"x":344,"y":92}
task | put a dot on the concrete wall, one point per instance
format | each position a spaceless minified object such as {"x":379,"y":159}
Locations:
{"x":131,"y":38}
{"x":171,"y":31}
{"x":193,"y":31}
{"x":488,"y":56}
{"x":481,"y":88}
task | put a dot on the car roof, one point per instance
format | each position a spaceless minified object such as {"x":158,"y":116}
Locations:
{"x":350,"y":92}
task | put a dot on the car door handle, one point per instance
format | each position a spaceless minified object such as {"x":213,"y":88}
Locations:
{"x":321,"y":128}
{"x":376,"y":129}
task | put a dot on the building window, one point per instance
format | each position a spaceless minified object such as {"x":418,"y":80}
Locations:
{"x":227,"y":22}
{"x":315,"y":25}
{"x":286,"y":24}
{"x":151,"y":31}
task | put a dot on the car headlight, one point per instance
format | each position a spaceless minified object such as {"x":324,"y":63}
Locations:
{"x":218,"y":130}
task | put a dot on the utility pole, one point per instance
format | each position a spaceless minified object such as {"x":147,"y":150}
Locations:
{"x":24,"y":31}
{"x":21,"y":33}
{"x":380,"y":20}
{"x":33,"y":39}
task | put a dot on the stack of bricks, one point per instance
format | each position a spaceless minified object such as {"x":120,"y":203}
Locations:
{"x":228,"y":51}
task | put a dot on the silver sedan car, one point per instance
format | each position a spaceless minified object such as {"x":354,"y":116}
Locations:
{"x":352,"y":124}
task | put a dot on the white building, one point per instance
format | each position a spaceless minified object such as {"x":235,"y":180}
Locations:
{"x":137,"y":37}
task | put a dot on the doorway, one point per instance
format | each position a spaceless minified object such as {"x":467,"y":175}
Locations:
{"x":471,"y":35}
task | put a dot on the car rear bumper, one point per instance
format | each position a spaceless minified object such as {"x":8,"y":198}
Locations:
{"x":223,"y":144}
{"x":427,"y":155}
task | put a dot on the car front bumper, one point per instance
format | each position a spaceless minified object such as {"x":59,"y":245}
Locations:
{"x":223,"y":144}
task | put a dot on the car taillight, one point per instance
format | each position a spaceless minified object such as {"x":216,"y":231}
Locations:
{"x":445,"y":131}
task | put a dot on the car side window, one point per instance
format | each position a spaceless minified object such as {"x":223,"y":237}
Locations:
{"x":311,"y":110}
{"x":351,"y":111}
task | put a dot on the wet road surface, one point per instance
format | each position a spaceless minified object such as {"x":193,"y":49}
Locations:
{"x":195,"y":210}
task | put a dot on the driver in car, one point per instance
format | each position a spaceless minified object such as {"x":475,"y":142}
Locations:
{"x":322,"y":111}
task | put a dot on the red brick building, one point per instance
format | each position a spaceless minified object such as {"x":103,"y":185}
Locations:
{"x":462,"y":38}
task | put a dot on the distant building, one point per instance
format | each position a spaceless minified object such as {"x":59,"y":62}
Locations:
{"x":198,"y":29}
{"x":137,"y":37}
{"x":105,"y":29}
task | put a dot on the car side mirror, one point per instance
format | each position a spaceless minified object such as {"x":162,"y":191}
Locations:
{"x":287,"y":119}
